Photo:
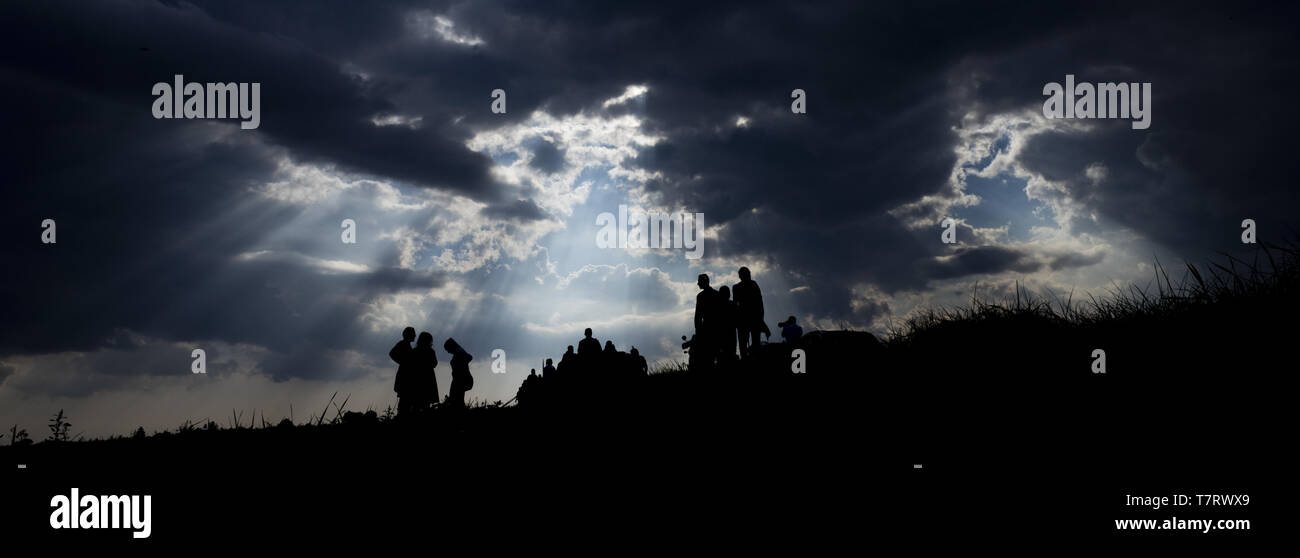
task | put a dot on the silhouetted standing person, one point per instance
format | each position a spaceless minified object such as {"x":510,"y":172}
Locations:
{"x":568,"y":363}
{"x":461,"y":380}
{"x":588,"y":359}
{"x":403,"y":383}
{"x":548,"y":371}
{"x":530,"y":389}
{"x":706,"y":303}
{"x":589,"y":345}
{"x":726,"y":323}
{"x":424,"y":382}
{"x":611,"y":363}
{"x":566,"y":359}
{"x":749,"y":311}
{"x":638,"y":363}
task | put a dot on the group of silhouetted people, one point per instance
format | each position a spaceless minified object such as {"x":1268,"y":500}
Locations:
{"x":589,"y":369}
{"x":726,"y":319}
{"x":416,"y":385}
{"x":591,"y":359}
{"x":728,"y":325}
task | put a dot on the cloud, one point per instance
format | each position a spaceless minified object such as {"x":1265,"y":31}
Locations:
{"x":523,"y":210}
{"x":1065,"y":261}
{"x":478,"y":225}
{"x":641,"y":290}
{"x":429,"y":25}
{"x":983,"y":260}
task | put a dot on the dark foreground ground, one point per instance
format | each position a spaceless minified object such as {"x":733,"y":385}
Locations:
{"x":761,"y":469}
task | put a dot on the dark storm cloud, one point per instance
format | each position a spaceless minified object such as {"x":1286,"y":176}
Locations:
{"x":870,"y":310}
{"x":1221,"y":146}
{"x":522,"y":210}
{"x":150,"y":225}
{"x":878,"y":133}
{"x":309,"y":103}
{"x":147,"y":232}
{"x":546,"y":157}
{"x":978,"y":260}
{"x":151,"y":214}
{"x":883,"y":101}
{"x":1067,"y":261}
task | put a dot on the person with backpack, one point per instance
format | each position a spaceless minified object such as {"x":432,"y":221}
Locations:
{"x":461,"y":380}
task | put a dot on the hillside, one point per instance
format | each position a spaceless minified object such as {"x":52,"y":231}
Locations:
{"x":1004,"y":391}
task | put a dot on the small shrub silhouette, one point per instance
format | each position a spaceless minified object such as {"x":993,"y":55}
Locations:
{"x":59,"y":426}
{"x":18,"y":436}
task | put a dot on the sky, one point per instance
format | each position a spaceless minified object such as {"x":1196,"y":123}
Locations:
{"x":183,"y":234}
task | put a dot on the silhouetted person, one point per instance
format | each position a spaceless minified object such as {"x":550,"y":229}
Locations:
{"x":706,"y":315}
{"x":588,"y":359}
{"x":749,"y":311}
{"x":726,"y":323}
{"x":693,"y":363}
{"x":548,"y":371}
{"x":609,"y":360}
{"x":402,"y":383}
{"x":567,"y":364}
{"x":529,"y":390}
{"x":423,"y":362}
{"x":790,"y":331}
{"x":461,"y":380}
{"x":638,"y":363}
{"x":565,"y":372}
{"x":589,"y":345}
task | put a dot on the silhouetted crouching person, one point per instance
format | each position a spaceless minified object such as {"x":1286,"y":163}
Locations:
{"x":790,"y":331}
{"x":461,"y":380}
